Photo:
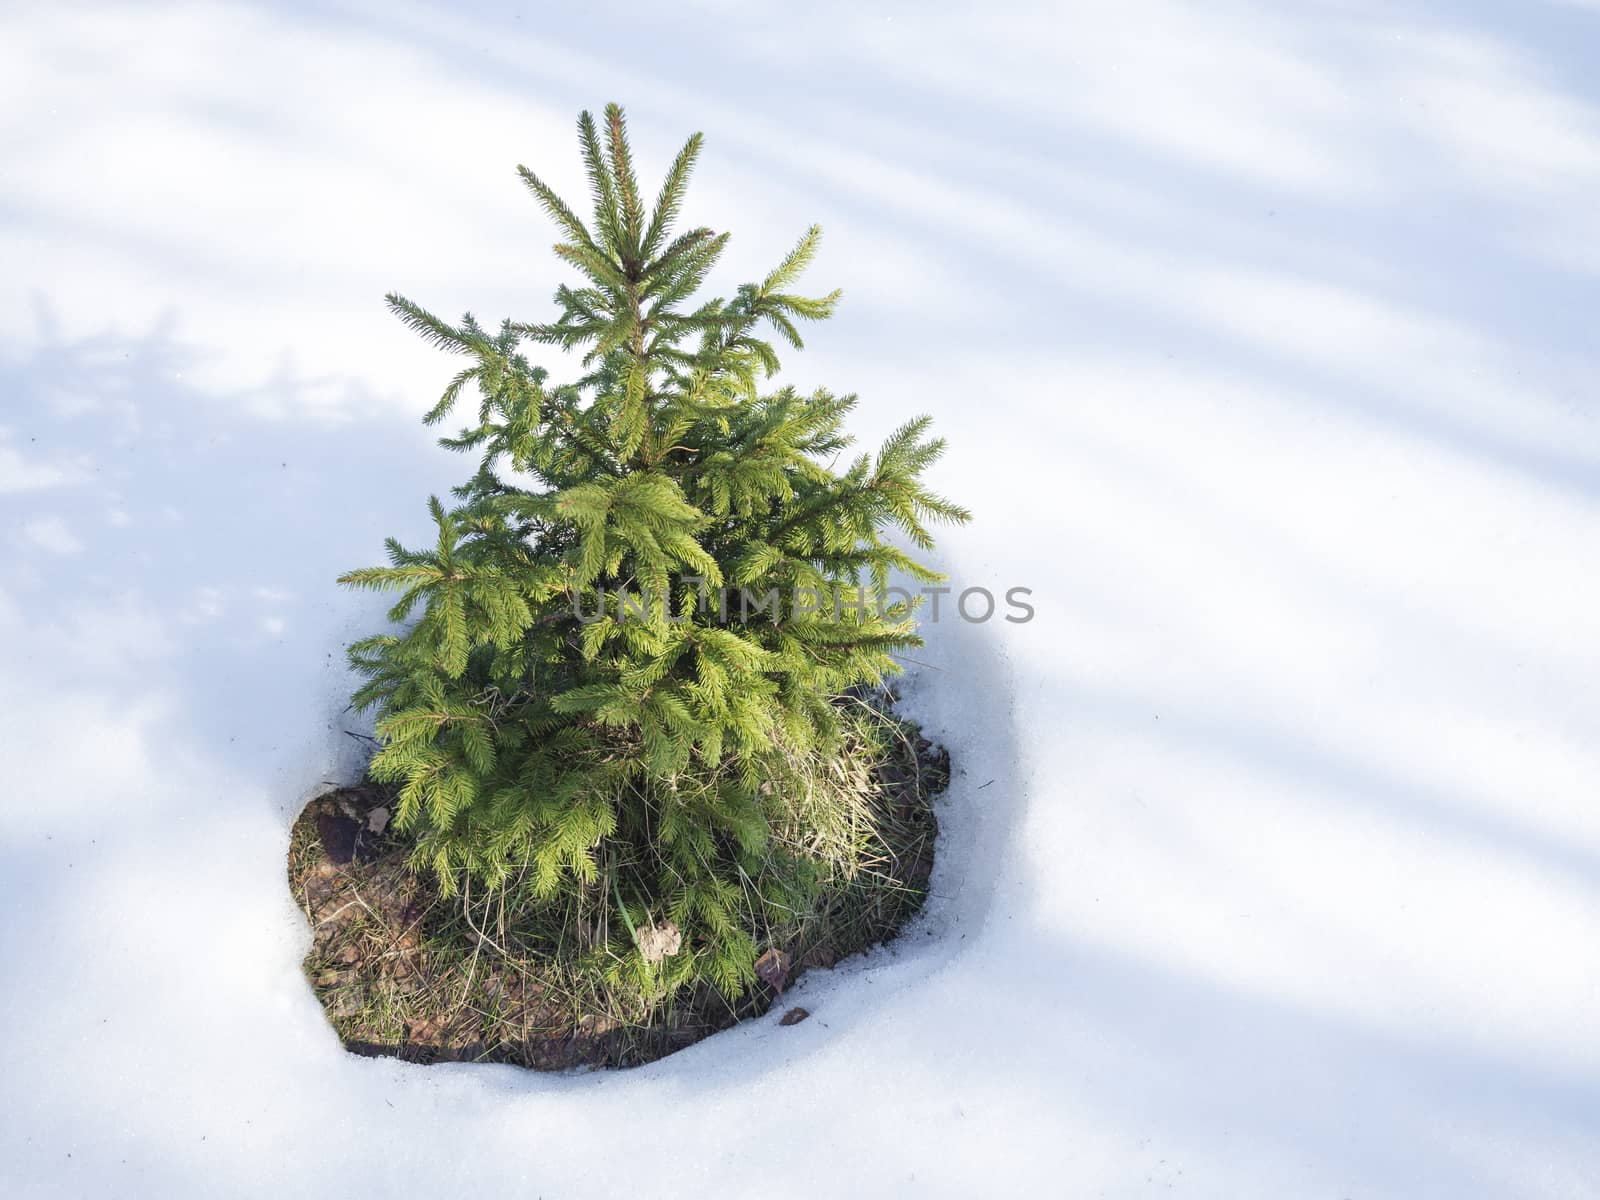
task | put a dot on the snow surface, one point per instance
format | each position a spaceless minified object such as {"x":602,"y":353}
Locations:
{"x":1265,"y":337}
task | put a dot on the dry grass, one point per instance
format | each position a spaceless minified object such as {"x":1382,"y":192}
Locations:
{"x":401,"y":970}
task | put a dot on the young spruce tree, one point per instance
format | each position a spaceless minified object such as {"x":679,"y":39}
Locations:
{"x":592,"y":697}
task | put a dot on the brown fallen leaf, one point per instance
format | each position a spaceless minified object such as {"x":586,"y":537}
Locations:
{"x":794,"y":1016}
{"x":773,"y":968}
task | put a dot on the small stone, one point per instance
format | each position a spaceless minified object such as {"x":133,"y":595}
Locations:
{"x":378,"y":820}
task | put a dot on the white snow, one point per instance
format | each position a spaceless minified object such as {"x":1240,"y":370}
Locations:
{"x":1265,"y":338}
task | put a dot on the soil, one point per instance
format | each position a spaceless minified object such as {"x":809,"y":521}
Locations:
{"x":400,"y":973}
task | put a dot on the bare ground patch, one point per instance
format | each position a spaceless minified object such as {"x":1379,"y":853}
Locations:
{"x":402,"y":971}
